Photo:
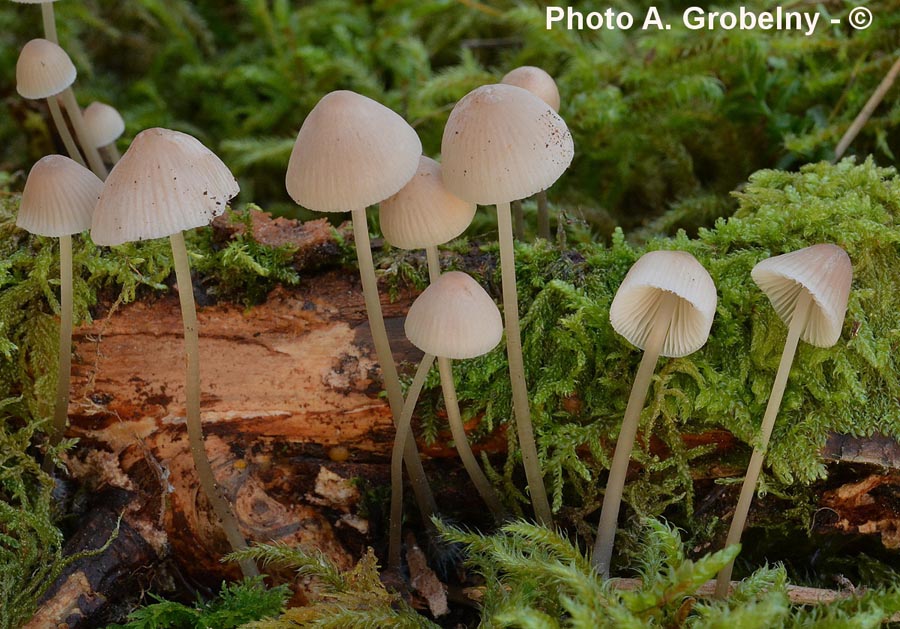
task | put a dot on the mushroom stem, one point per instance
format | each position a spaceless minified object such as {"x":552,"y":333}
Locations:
{"x":612,"y":498}
{"x":400,"y":441}
{"x":49,"y":22}
{"x":543,"y":215}
{"x":530,"y":460}
{"x":64,"y":364}
{"x":434,"y":263}
{"x":518,"y":219}
{"x":63,"y":130}
{"x":422,"y":491}
{"x":192,"y":393}
{"x":112,"y":153}
{"x":799,"y":319}
{"x":90,"y":151}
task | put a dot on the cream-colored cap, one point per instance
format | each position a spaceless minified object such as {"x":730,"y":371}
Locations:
{"x":351,"y":152}
{"x":166,"y":182}
{"x":424,"y":213}
{"x":503,"y":143}
{"x":104,"y":124}
{"x":637,"y":300}
{"x":455,"y":318}
{"x":59,"y":197}
{"x":32,"y":1}
{"x":536,"y":81}
{"x":43,"y":70}
{"x":825,"y":272}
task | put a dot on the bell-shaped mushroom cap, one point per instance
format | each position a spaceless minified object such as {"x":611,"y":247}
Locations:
{"x":825,"y":272}
{"x":43,"y":70}
{"x":166,"y":182}
{"x":536,"y":81}
{"x":654,"y":274}
{"x":351,"y":152}
{"x":32,"y":1}
{"x":455,"y":318}
{"x":59,"y":197}
{"x":503,"y":143}
{"x":104,"y":124}
{"x":424,"y":213}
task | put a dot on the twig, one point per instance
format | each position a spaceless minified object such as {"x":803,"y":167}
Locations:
{"x":868,"y":109}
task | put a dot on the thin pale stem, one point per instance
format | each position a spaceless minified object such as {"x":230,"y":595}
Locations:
{"x":63,"y":130}
{"x":543,"y":215}
{"x":612,"y":498}
{"x":434,"y":263}
{"x":518,"y":215}
{"x":64,"y":364}
{"x":799,"y":319}
{"x":112,"y":153}
{"x":530,"y":460}
{"x":414,"y":468}
{"x":866,"y":112}
{"x":49,"y":22}
{"x":400,"y":441}
{"x":461,"y":441}
{"x":192,"y":393}
{"x":90,"y":151}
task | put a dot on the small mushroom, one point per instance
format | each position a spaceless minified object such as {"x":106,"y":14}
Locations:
{"x":454,"y":318}
{"x":168,"y":182}
{"x":104,"y":126}
{"x":58,"y":201}
{"x":352,"y":152}
{"x":665,"y":306}
{"x":809,"y":290}
{"x":542,"y":85}
{"x":47,"y":16}
{"x":44,"y":70}
{"x":503,"y":143}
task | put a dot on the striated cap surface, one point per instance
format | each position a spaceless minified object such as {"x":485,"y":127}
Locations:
{"x":104,"y":124}
{"x":455,"y":318}
{"x":637,"y":300}
{"x":536,"y":81}
{"x":59,"y":197}
{"x":825,"y":272}
{"x":424,"y":213}
{"x":166,"y":182}
{"x":43,"y":70}
{"x":351,"y":152}
{"x":503,"y":143}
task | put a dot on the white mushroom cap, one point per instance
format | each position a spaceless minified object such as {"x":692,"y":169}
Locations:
{"x":351,"y":152}
{"x":637,"y":300}
{"x":424,"y":213}
{"x":536,"y":81}
{"x":32,"y":1}
{"x":59,"y":197}
{"x":104,"y":124}
{"x":166,"y":182}
{"x":43,"y":70}
{"x":825,"y":272}
{"x":455,"y":318}
{"x":503,"y":143}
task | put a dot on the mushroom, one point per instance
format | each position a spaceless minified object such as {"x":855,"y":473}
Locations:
{"x":44,"y":70}
{"x":168,"y":182}
{"x":809,"y":290}
{"x":104,"y":126}
{"x":58,"y":201}
{"x":542,"y":85}
{"x":503,"y":143}
{"x":352,"y":152}
{"x":47,"y":15}
{"x":664,"y":306}
{"x":454,"y":318}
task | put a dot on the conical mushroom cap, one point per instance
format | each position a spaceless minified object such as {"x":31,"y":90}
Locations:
{"x":825,"y":272}
{"x":351,"y":152}
{"x":104,"y":124}
{"x":455,"y":318}
{"x":536,"y":81}
{"x":503,"y":143}
{"x":43,"y":70}
{"x":638,"y":298}
{"x":59,"y":197}
{"x":166,"y":182}
{"x":424,"y":213}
